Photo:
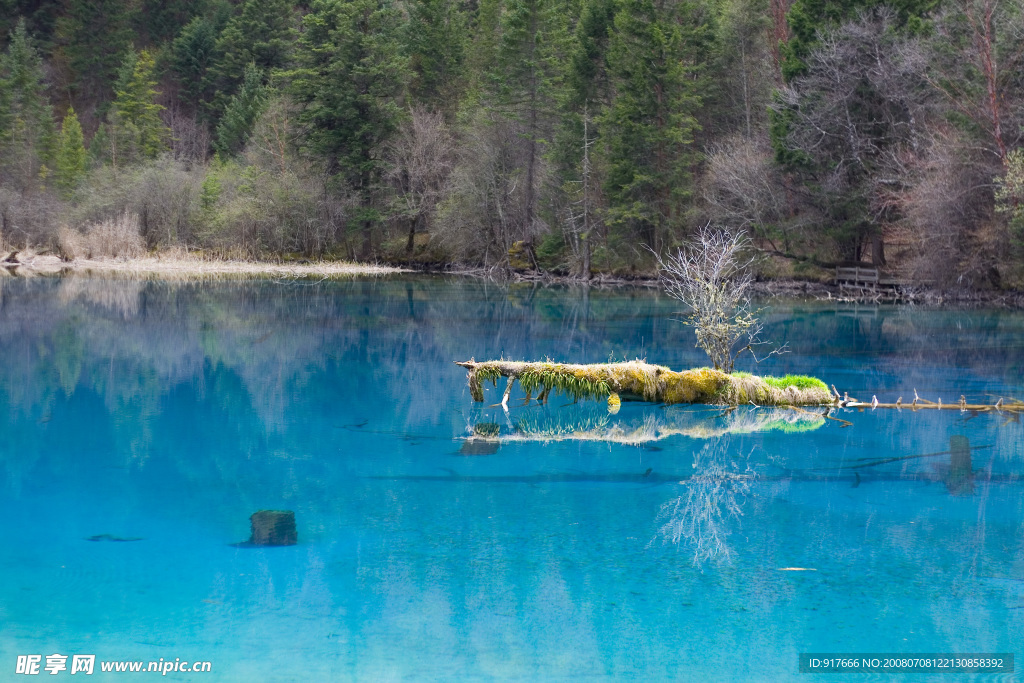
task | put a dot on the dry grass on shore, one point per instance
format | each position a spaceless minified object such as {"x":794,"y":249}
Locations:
{"x":182,"y":265}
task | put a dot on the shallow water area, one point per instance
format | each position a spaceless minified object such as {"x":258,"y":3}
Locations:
{"x":143,"y":422}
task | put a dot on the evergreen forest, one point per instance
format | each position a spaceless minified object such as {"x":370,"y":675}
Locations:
{"x":574,"y":137}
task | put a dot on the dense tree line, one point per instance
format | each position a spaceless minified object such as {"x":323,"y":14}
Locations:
{"x":564,"y":135}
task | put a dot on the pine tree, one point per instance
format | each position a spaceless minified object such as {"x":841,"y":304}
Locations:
{"x":588,"y":79}
{"x":241,"y":113}
{"x":40,"y":17}
{"x":93,"y":36}
{"x":649,"y":126}
{"x":160,"y":20}
{"x":194,"y":55}
{"x":808,"y":18}
{"x":71,"y":155}
{"x":524,"y":85}
{"x":135,"y":122}
{"x":26,"y":118}
{"x":349,"y":76}
{"x":262,"y":34}
{"x":434,"y":40}
{"x":588,"y":92}
{"x":99,"y":146}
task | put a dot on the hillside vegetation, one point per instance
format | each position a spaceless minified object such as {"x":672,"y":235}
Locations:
{"x":573,"y":136}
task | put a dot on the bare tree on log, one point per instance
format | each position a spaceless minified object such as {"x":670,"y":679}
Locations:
{"x":712,"y":277}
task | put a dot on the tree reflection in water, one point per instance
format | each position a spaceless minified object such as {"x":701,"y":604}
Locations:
{"x":703,"y":517}
{"x":640,"y":426}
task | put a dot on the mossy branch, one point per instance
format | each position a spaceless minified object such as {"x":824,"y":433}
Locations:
{"x":639,"y":380}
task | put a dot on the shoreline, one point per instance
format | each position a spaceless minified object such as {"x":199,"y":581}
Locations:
{"x":184,"y":266}
{"x":792,"y":289}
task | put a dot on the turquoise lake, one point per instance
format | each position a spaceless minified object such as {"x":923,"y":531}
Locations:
{"x":661,"y":543}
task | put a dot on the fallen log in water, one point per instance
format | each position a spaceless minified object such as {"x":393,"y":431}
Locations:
{"x":639,"y":380}
{"x":642,"y":381}
{"x":1012,"y":407}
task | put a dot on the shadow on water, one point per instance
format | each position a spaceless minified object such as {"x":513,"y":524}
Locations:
{"x":957,"y":475}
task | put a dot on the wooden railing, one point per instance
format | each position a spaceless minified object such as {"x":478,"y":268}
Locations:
{"x":865,"y":278}
{"x":857,"y":276}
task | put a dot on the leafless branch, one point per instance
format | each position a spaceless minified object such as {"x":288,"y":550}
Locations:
{"x":712,"y":277}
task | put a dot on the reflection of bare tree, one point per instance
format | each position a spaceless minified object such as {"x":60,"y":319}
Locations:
{"x":117,"y":296}
{"x":703,"y":515}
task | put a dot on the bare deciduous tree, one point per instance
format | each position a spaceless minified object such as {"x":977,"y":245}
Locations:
{"x":275,"y":138}
{"x":190,"y":137}
{"x":855,"y":114}
{"x":582,"y":218}
{"x":949,"y":210}
{"x":422,"y":156}
{"x":744,"y":190}
{"x":745,"y":72}
{"x":483,"y":213}
{"x":28,"y":220}
{"x":778,"y":35}
{"x":291,"y":204}
{"x":711,"y":276}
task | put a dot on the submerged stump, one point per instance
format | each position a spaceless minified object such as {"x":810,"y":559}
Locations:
{"x":960,"y":480}
{"x":273,"y":527}
{"x":638,"y":380}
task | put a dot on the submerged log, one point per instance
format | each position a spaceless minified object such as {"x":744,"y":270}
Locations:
{"x":642,"y":381}
{"x":273,"y":527}
{"x":1013,"y":409}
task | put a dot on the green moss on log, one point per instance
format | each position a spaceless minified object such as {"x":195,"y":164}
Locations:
{"x":798,"y":381}
{"x":642,"y":381}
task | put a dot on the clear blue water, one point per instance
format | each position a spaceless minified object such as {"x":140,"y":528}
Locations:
{"x":170,"y":413}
